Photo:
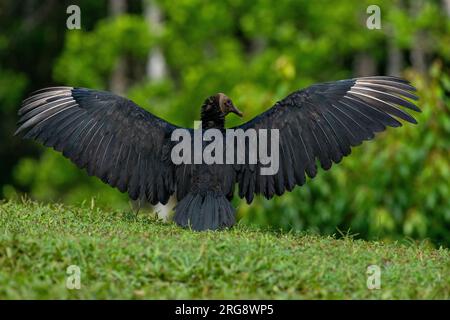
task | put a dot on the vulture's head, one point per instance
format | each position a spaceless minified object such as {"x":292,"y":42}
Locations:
{"x":226,"y":105}
{"x":217,"y":107}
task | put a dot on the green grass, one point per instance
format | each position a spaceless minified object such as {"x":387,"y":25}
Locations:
{"x":121,"y":256}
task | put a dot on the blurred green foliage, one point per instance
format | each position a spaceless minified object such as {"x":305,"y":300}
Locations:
{"x":257,"y":52}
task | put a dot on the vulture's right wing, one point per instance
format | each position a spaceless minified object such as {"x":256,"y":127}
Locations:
{"x":112,"y":137}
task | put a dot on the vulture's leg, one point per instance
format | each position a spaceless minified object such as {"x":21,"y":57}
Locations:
{"x":164,"y":210}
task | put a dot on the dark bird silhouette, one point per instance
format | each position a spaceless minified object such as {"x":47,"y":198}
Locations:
{"x":130,"y":148}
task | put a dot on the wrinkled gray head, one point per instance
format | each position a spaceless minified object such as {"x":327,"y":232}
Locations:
{"x":226,"y":105}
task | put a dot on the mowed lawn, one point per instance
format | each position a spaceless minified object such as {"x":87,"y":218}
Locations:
{"x":120,"y":256}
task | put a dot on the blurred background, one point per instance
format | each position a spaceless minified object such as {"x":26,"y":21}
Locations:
{"x":168,"y":56}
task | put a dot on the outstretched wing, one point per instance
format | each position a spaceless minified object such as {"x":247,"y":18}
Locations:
{"x":112,"y":137}
{"x":321,"y":123}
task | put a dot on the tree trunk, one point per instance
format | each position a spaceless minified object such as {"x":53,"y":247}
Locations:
{"x":395,"y":58}
{"x":446,"y":6}
{"x":156,"y":63}
{"x":118,"y":80}
{"x":117,"y":7}
{"x":419,"y":49}
{"x":364,"y":65}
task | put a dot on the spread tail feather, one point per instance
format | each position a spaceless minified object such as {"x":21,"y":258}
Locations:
{"x":210,"y":211}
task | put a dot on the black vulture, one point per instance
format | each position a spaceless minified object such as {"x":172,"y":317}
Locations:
{"x":130,"y":148}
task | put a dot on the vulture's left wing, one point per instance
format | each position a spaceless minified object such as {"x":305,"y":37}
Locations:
{"x":321,"y":123}
{"x":112,"y":137}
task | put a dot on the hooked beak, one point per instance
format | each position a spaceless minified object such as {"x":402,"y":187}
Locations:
{"x":236,"y":111}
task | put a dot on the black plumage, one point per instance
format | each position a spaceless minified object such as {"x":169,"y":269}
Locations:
{"x":129,"y":148}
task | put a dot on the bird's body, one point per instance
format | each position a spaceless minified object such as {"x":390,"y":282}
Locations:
{"x":130,"y":148}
